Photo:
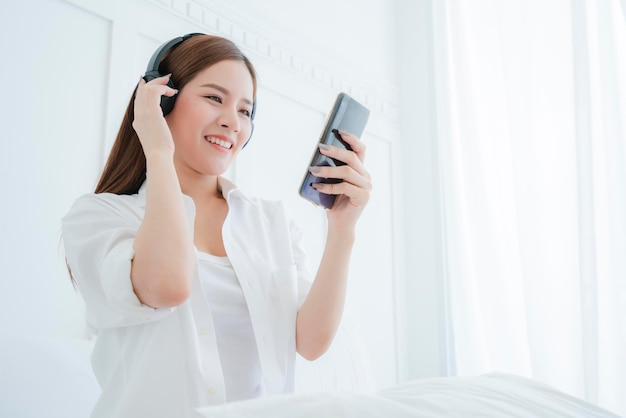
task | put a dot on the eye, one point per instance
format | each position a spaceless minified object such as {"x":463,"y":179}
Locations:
{"x":246,"y":112}
{"x":216,"y":99}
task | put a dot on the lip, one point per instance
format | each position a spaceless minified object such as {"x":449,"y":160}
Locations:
{"x":222,"y":138}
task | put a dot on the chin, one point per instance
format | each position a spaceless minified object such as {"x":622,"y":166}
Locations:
{"x":214,"y":171}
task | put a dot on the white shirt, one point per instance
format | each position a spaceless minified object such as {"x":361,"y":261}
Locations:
{"x":165,"y":362}
{"x":241,"y":367}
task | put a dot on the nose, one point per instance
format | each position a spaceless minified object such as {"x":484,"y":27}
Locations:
{"x":229,"y":119}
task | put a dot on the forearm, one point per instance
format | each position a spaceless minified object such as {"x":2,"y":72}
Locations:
{"x":321,"y":312}
{"x":162,"y":268}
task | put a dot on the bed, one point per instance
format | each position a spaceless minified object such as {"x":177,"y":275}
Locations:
{"x":490,"y":395}
{"x":45,"y":377}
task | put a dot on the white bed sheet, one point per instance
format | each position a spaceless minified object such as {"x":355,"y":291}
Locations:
{"x":491,"y":395}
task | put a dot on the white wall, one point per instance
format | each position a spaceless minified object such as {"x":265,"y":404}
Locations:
{"x":52,"y":140}
{"x":69,"y":68}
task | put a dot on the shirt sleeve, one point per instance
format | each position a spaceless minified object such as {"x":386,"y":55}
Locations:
{"x":98,"y":237}
{"x":305,"y":277}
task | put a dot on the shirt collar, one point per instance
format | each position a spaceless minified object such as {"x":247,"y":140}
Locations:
{"x":142,"y":189}
{"x":228,"y":188}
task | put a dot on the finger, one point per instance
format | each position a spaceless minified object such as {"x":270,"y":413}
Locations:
{"x":159,"y":83}
{"x":355,"y":143}
{"x":169,"y":92}
{"x":343,"y":172}
{"x":164,"y":79}
{"x":157,"y":88}
{"x":351,"y":158}
{"x":357,"y":195}
{"x":152,"y":93}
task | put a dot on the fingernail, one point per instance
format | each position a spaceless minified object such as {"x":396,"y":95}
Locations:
{"x":314,"y":169}
{"x":322,"y":146}
{"x":168,"y":75}
{"x":342,"y":132}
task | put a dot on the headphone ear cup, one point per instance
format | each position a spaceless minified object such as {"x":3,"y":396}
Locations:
{"x":252,"y":115}
{"x":250,"y":137}
{"x":167,"y":103}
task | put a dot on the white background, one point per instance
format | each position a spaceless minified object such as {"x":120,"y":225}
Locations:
{"x":68,"y":69}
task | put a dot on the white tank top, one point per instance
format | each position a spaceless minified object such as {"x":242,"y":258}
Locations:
{"x":233,"y":329}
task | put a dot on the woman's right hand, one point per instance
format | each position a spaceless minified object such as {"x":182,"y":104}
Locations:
{"x":164,"y":256}
{"x":149,"y":123}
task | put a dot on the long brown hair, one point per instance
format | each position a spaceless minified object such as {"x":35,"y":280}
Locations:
{"x":125,"y":169}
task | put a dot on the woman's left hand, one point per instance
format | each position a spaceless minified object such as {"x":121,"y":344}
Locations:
{"x":353,"y":192}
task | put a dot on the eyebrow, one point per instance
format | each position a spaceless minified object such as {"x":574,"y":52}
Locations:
{"x":223,"y":90}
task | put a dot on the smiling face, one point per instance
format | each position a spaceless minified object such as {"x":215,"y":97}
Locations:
{"x":210,"y":121}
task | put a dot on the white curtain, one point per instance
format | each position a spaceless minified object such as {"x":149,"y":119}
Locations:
{"x":531,"y":103}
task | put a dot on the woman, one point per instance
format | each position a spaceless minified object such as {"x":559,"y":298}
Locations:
{"x":198,"y":293}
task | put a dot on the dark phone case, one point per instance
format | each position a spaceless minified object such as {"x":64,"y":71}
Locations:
{"x":348,"y":115}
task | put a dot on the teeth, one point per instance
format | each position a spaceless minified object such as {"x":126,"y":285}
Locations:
{"x":223,"y":144}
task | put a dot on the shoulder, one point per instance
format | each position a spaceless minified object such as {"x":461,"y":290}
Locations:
{"x":106,"y":204}
{"x":240,"y":198}
{"x":257,"y":212}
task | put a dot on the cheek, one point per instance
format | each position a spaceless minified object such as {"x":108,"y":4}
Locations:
{"x":184,"y":120}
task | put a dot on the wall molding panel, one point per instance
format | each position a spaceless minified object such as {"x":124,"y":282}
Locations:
{"x":297,"y":86}
{"x":312,"y":81}
{"x":217,"y":21}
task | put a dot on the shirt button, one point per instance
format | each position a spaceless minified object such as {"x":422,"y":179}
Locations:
{"x":203,"y":331}
{"x":212,"y":391}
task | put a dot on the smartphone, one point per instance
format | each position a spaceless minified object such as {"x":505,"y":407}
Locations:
{"x":347,"y":115}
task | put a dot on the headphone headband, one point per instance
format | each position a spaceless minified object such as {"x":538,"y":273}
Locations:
{"x":155,"y":61}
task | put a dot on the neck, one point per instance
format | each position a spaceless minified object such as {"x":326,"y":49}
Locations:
{"x":202,"y":187}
